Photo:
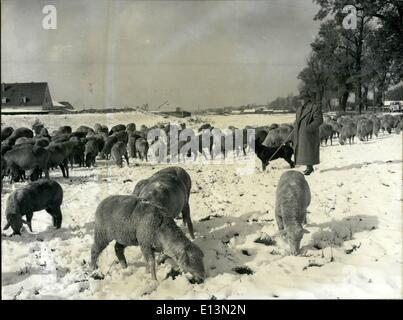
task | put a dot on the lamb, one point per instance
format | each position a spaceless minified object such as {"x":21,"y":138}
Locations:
{"x":35,"y":196}
{"x":348,"y":131}
{"x":293,"y":197}
{"x":90,"y":153}
{"x":168,"y":188}
{"x":132,"y":221}
{"x":118,"y":151}
{"x":142,"y":148}
{"x":265,"y":153}
{"x":326,"y":133}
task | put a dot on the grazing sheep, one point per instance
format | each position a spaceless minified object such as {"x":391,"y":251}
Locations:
{"x":118,"y":151}
{"x":6,"y":132}
{"x":265,"y":153}
{"x":26,"y":157}
{"x":117,"y":128}
{"x":131,"y":222}
{"x":142,"y":148}
{"x":168,"y":188}
{"x":35,"y":196}
{"x":90,"y":153}
{"x":348,"y":131}
{"x":326,"y":133}
{"x":292,"y":199}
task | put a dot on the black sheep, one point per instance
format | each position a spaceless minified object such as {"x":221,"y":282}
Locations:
{"x":35,"y":196}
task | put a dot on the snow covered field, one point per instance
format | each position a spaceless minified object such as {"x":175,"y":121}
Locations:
{"x":353,"y":250}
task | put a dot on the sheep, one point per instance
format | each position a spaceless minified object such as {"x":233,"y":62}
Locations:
{"x":35,"y":196}
{"x":326,"y":133}
{"x":168,"y":188}
{"x":117,"y":128}
{"x":387,"y":122}
{"x":293,"y":197}
{"x":26,"y":157}
{"x":336,"y":127}
{"x":24,"y":140}
{"x":132,"y":221}
{"x":376,"y":125}
{"x":348,"y":131}
{"x":42,"y":142}
{"x":364,"y":129}
{"x":58,"y":156}
{"x":6,"y":132}
{"x":118,"y":151}
{"x":109,"y":142}
{"x":90,"y":153}
{"x":77,"y":152}
{"x":64,"y":130}
{"x":265,"y":153}
{"x":142,"y":148}
{"x":18,"y":133}
{"x":85,"y":130}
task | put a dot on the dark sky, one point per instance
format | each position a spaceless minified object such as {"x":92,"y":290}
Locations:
{"x":127,"y":53}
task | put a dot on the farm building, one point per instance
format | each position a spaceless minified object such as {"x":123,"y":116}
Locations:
{"x":30,"y":97}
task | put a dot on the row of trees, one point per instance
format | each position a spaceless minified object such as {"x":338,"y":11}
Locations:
{"x":346,"y":61}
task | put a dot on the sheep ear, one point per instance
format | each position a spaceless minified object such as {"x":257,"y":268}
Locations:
{"x":7,"y":226}
{"x":305,"y":231}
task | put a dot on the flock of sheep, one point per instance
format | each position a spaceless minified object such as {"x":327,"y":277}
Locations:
{"x":146,"y":217}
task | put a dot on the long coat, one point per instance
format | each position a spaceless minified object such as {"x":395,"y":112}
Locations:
{"x":306,"y":134}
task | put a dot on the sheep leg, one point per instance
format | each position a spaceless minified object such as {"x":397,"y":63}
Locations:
{"x":56,"y":216}
{"x":119,"y":250}
{"x":63,"y":170}
{"x":66,"y":166}
{"x":148,"y":254}
{"x":127,"y":158}
{"x":99,"y":245}
{"x":187,"y":220}
{"x":29,"y":219}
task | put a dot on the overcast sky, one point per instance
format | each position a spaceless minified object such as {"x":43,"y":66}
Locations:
{"x":107,"y":53}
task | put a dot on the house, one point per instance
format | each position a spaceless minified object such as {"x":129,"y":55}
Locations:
{"x":29,"y":97}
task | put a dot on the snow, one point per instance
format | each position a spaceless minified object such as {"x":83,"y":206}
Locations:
{"x":353,"y":250}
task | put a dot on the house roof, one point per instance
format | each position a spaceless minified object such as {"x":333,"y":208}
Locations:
{"x":14,"y":92}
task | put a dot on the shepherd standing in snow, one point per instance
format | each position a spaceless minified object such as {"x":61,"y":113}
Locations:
{"x":307,"y":140}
